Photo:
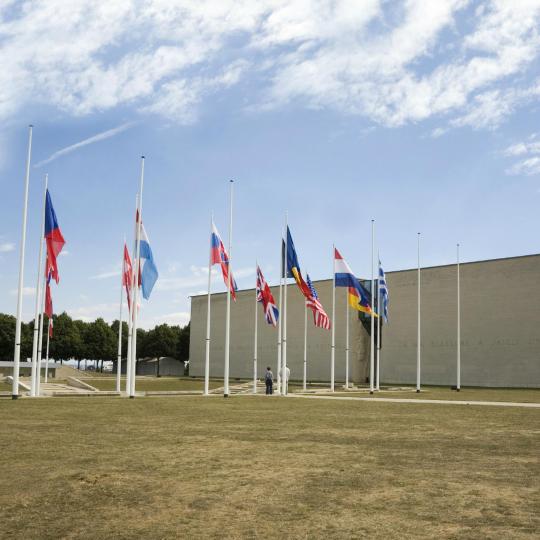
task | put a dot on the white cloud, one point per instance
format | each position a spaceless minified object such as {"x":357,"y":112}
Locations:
{"x":106,"y":275}
{"x":177,"y":318}
{"x":27,"y":291}
{"x":392,"y":62}
{"x":91,"y":140}
{"x":5,"y":247}
{"x":528,"y":153}
{"x":107,"y":311}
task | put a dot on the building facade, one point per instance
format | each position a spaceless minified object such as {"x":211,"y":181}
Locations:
{"x":500,"y":329}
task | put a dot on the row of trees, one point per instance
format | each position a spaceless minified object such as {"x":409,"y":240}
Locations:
{"x":94,"y":340}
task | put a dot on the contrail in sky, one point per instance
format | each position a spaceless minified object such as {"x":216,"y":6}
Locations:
{"x":95,"y":138}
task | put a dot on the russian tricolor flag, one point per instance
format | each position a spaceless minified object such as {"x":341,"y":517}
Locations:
{"x":54,"y":239}
{"x":218,"y":255}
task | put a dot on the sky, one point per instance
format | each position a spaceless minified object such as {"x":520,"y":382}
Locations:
{"x":420,"y":114}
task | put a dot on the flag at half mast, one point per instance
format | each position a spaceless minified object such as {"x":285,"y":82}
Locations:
{"x":358,"y":297}
{"x":148,"y":273}
{"x":53,"y":238}
{"x":218,"y":255}
{"x":320,"y":318}
{"x":264,"y":295}
{"x":383,"y":289}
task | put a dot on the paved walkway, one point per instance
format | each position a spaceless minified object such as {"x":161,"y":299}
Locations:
{"x":429,"y":401}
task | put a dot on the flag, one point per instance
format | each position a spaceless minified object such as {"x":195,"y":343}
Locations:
{"x":148,"y":272}
{"x":127,"y":275}
{"x":383,"y":289}
{"x":218,"y":255}
{"x":293,"y":266}
{"x":48,"y":304}
{"x":358,"y":296}
{"x":53,"y":238}
{"x":320,"y":318}
{"x":264,"y":295}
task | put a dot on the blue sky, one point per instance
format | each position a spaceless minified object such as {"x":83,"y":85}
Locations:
{"x":420,"y":114}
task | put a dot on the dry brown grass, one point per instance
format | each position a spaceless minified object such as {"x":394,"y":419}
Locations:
{"x":257,"y":467}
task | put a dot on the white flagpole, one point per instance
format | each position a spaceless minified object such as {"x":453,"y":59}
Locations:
{"x":47,"y":352}
{"x":458,"y":386}
{"x":333,"y":350}
{"x":17,"y":352}
{"x":207,"y":343}
{"x":136,"y":292}
{"x":255,"y":339}
{"x":418,"y":343}
{"x":346,"y":338}
{"x":228,"y":318}
{"x":284,"y":380}
{"x":119,"y":356}
{"x":130,"y":307}
{"x":281,"y":273}
{"x":305,"y":347}
{"x":372,"y":355}
{"x":40,"y":338}
{"x":38,"y":296}
{"x":378,"y":387}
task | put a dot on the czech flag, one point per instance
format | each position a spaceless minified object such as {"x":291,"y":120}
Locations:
{"x":218,"y":255}
{"x":48,"y":304}
{"x":54,"y":239}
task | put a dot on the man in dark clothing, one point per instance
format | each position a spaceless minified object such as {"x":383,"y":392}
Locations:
{"x":269,"y":380}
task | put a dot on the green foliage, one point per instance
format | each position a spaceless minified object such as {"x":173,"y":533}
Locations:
{"x":97,"y":340}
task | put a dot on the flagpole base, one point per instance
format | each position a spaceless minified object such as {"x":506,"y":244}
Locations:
{"x":418,"y":390}
{"x":371,"y":391}
{"x":14,"y":396}
{"x":225,"y":395}
{"x":131,"y":397}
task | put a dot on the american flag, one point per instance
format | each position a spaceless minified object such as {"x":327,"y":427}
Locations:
{"x":320,"y":318}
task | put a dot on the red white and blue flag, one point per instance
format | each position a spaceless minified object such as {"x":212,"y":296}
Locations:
{"x":127,"y":275}
{"x":264,"y":295}
{"x":48,"y":304}
{"x":218,"y":255}
{"x":53,"y":238}
{"x":320,"y":318}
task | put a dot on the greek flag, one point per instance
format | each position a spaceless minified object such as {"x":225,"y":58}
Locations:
{"x":383,"y":289}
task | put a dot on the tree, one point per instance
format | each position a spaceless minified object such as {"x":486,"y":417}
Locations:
{"x":7,"y":336}
{"x":182,"y":345}
{"x":67,"y":342}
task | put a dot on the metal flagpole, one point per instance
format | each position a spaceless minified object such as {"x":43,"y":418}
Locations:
{"x":38,"y":296}
{"x":418,"y":343}
{"x":346,"y":338}
{"x":372,"y":355}
{"x":40,"y":337}
{"x":207,"y":343}
{"x":284,"y":379}
{"x":255,"y":338}
{"x":136,"y":291}
{"x":305,"y":347}
{"x":228,"y":318}
{"x":119,"y":356}
{"x":17,"y":352}
{"x":47,"y":352}
{"x":130,"y":306}
{"x":458,"y":386}
{"x":378,"y":387}
{"x":282,"y":267}
{"x":333,"y":350}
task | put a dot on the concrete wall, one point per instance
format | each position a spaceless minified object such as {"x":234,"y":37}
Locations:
{"x":500,"y":329}
{"x":242,"y":330}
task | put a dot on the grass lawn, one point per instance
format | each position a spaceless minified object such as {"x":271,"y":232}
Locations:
{"x":524,"y":395}
{"x":5,"y":387}
{"x":257,"y":467}
{"x":150,"y":383}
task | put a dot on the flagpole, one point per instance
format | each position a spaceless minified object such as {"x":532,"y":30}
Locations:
{"x":346,"y":338}
{"x":136,"y":292}
{"x":228,"y":318}
{"x":284,"y":380}
{"x":305,"y":346}
{"x":372,"y":340}
{"x":378,"y":387}
{"x":458,"y":386}
{"x":40,"y":338}
{"x":208,"y":320}
{"x":418,"y":343}
{"x":255,"y":339}
{"x":333,"y":350}
{"x":280,"y":317}
{"x":38,"y":296}
{"x":130,"y":306}
{"x":47,"y":351}
{"x":119,"y":356}
{"x":17,"y":352}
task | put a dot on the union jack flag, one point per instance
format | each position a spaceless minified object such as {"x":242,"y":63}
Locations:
{"x":264,"y":295}
{"x":320,"y":318}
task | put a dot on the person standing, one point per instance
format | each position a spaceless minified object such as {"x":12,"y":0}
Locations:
{"x":269,"y":381}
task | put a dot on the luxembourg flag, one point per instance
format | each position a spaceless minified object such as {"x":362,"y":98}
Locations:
{"x":358,"y":296}
{"x":218,"y":255}
{"x":148,"y":272}
{"x":53,"y":238}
